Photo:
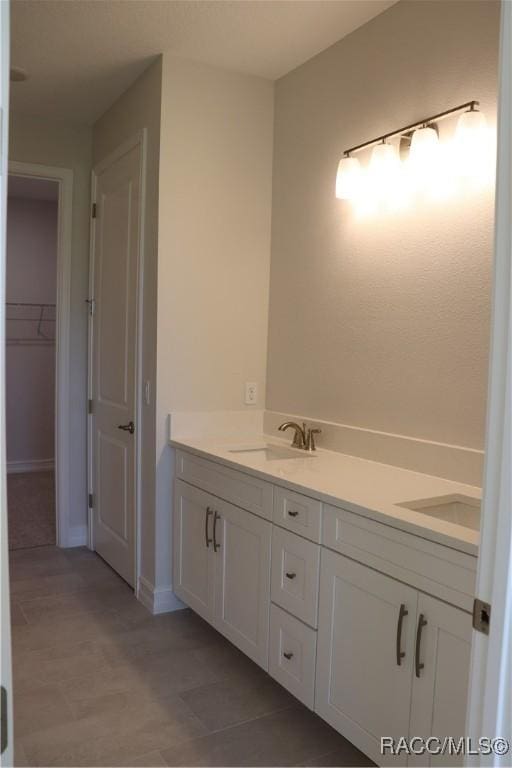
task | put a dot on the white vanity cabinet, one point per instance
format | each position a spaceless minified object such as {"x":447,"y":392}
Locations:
{"x":361,"y":689}
{"x":222,"y":567}
{"x":391,"y":660}
{"x":365,"y":623}
{"x":440,"y":687}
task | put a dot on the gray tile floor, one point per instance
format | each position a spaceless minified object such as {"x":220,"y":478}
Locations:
{"x":98,"y":681}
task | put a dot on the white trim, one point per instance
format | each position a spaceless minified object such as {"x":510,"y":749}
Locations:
{"x":77,"y":536}
{"x":490,"y":696}
{"x":64,"y":176}
{"x":161,"y":600}
{"x":139,"y":138}
{"x":32,"y":465}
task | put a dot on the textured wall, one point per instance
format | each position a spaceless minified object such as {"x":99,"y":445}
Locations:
{"x":214,"y":247}
{"x":30,"y":369}
{"x":382,"y":323}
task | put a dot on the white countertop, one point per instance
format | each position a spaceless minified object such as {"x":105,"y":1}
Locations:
{"x":358,"y":485}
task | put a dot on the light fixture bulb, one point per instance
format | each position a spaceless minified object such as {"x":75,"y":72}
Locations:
{"x":348,"y":178}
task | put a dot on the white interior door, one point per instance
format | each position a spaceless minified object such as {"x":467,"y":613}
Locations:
{"x":6,"y":750}
{"x":116,"y":247}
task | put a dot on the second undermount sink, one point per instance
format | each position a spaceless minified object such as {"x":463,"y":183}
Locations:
{"x":270,"y":452}
{"x":454,"y":508}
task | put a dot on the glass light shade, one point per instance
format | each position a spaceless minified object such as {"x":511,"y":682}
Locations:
{"x":424,"y":159}
{"x":472,"y":148}
{"x":471,"y":127}
{"x":348,"y":178}
{"x":424,"y":146}
{"x":387,"y":176}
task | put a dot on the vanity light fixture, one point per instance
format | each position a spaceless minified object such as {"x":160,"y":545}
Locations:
{"x":420,"y":140}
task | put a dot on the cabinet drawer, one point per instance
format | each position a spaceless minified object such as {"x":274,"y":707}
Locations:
{"x":298,"y":513}
{"x":295,"y":575}
{"x":432,"y":568}
{"x":243,"y":490}
{"x":293,"y":655}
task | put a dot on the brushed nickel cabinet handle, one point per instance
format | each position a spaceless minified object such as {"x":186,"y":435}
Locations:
{"x":288,"y":655}
{"x":208,"y":540}
{"x":422,"y":622}
{"x":293,"y":512}
{"x":399,"y":653}
{"x":216,"y":517}
{"x":290,"y":575}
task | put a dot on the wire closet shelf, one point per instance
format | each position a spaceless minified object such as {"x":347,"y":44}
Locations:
{"x":30,"y":323}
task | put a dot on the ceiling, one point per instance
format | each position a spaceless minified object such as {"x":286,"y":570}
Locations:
{"x":82,"y":54}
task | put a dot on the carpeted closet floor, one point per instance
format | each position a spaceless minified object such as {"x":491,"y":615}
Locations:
{"x":31,"y":505}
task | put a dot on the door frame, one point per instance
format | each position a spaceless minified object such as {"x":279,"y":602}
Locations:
{"x":64,"y":178}
{"x":137,"y":139}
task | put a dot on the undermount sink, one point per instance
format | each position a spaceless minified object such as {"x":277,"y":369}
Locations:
{"x":271,"y":452}
{"x":454,"y":508}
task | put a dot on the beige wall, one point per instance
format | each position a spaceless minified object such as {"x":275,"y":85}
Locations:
{"x":382,"y":323}
{"x":138,"y":108}
{"x":34,"y":140}
{"x":30,"y":368}
{"x":214,"y":247}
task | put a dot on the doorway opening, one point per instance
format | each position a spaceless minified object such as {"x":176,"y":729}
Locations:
{"x":37,"y":355}
{"x":31,"y":297}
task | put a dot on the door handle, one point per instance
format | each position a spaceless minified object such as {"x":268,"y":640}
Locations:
{"x":130,"y":427}
{"x":399,"y":653}
{"x":216,"y":517}
{"x":422,"y":622}
{"x":209,"y":511}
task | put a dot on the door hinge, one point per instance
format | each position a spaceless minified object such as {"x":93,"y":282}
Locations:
{"x":4,"y":726}
{"x":91,"y":501}
{"x":481,"y":616}
{"x":91,"y":303}
{"x":89,"y":405}
{"x":94,"y":211}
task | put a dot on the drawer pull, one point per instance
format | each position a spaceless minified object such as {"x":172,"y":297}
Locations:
{"x":422,"y":622}
{"x":216,"y":517}
{"x":293,"y":512}
{"x":399,"y":653}
{"x":288,"y":655}
{"x":208,"y":540}
{"x":290,"y":575}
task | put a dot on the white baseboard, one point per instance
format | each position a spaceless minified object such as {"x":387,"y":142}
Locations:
{"x":78,"y":536}
{"x":157,"y":600}
{"x":34,"y":465}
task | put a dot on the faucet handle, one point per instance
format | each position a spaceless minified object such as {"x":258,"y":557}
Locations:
{"x":310,"y":439}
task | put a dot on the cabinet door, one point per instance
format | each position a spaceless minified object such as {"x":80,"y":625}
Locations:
{"x":361,"y":690}
{"x":242,"y":579}
{"x":193,"y":550}
{"x":440,"y":686}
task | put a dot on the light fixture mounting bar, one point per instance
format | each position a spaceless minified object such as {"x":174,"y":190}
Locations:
{"x":440,"y":116}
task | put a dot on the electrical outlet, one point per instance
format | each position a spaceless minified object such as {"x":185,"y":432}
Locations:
{"x":251,"y":393}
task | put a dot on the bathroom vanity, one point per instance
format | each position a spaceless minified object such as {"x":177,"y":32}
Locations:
{"x":350,"y":582}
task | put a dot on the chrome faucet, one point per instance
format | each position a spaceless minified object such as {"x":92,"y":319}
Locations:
{"x":303,"y":437}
